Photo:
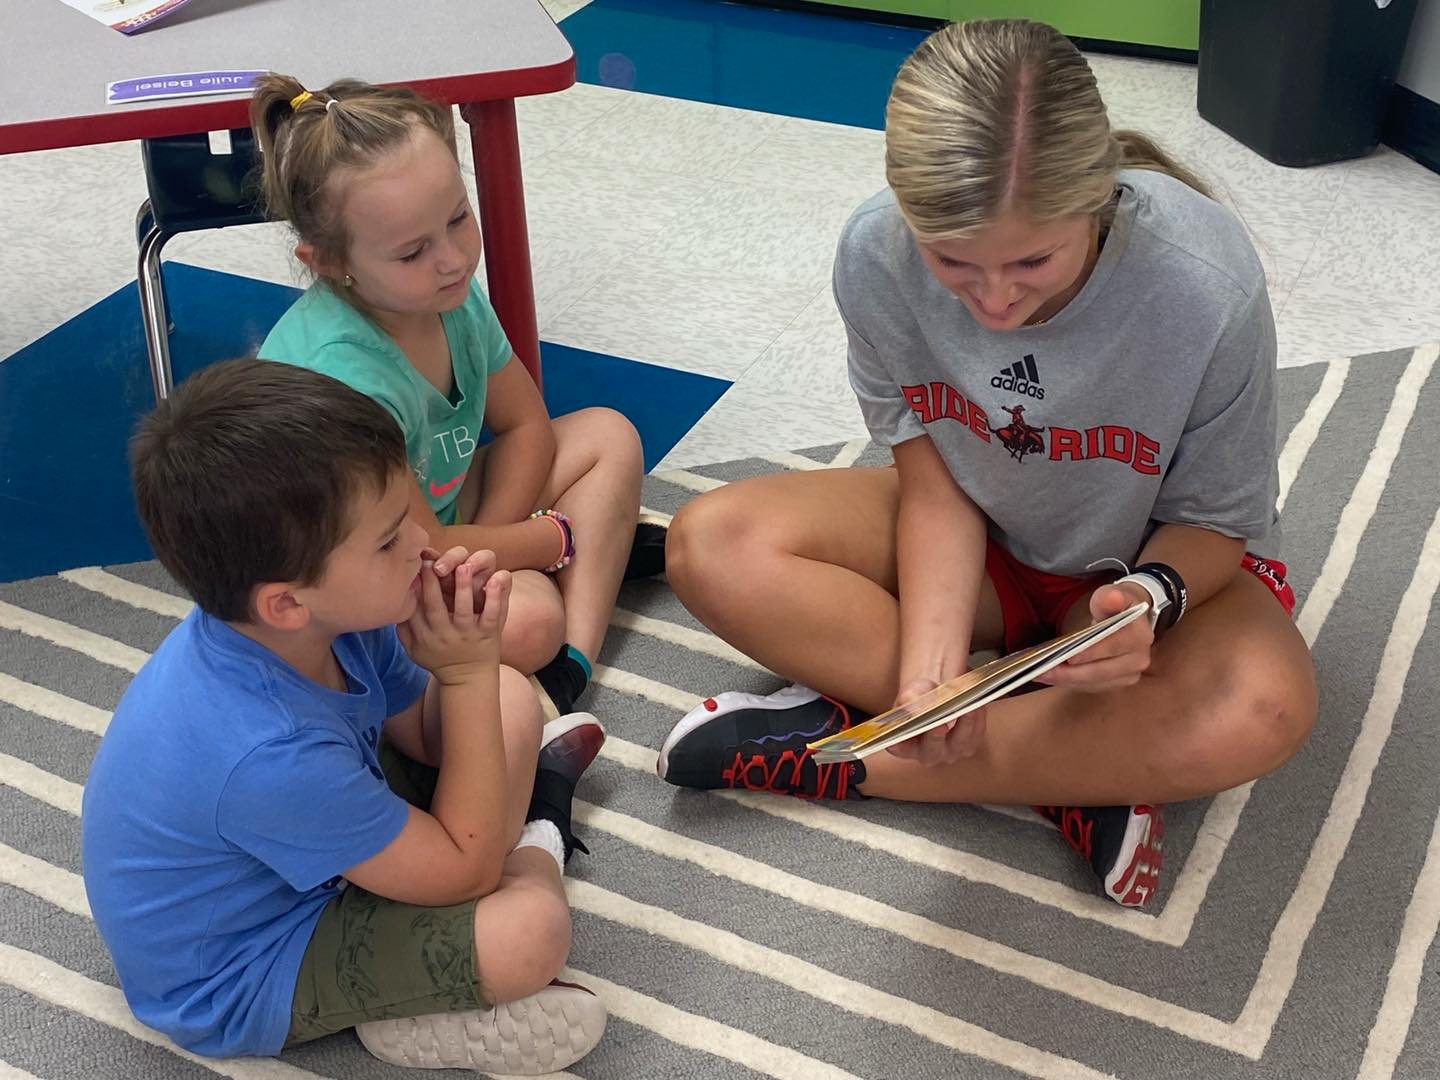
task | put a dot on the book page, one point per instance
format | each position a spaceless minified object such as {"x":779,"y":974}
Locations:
{"x":967,"y":692}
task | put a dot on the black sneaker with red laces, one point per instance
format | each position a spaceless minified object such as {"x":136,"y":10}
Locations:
{"x":754,"y":743}
{"x":1123,"y":845}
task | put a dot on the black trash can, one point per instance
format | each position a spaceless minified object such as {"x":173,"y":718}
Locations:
{"x":1301,"y":82}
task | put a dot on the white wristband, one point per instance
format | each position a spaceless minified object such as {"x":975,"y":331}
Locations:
{"x":1158,"y":600}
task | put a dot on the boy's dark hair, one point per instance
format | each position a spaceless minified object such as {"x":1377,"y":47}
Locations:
{"x":248,"y":473}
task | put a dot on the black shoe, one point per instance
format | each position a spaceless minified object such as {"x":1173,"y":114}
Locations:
{"x":756,"y":743}
{"x":647,"y":552}
{"x":1123,"y":845}
{"x":567,"y":747}
{"x":559,"y":684}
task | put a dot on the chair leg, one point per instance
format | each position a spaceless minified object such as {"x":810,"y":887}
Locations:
{"x":153,"y":312}
{"x":144,"y":224}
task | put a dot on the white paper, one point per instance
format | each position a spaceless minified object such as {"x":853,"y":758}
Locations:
{"x":127,"y":16}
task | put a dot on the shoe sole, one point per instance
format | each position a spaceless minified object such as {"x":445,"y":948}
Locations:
{"x":713,"y":708}
{"x":563,"y":725}
{"x":1135,"y":878}
{"x":560,"y":727}
{"x":540,"y":1034}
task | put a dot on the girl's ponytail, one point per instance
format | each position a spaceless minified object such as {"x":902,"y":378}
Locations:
{"x":310,"y":138}
{"x":1139,"y":151}
{"x":270,"y":113}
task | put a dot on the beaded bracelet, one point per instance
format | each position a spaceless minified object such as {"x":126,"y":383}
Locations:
{"x":567,"y":539}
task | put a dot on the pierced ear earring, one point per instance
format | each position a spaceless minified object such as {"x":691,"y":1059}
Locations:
{"x":348,"y":282}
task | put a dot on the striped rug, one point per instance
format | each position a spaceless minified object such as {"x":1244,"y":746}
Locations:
{"x":735,"y":936}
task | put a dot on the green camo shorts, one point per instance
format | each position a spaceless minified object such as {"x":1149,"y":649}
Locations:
{"x":376,"y":959}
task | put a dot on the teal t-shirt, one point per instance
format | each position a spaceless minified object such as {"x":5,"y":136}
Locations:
{"x":324,"y":333}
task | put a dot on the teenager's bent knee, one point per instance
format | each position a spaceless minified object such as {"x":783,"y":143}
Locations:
{"x":1245,"y":720}
{"x":703,"y":539}
{"x":1282,"y":706}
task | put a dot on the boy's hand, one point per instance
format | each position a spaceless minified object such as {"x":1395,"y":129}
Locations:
{"x":456,"y":645}
{"x":942,"y":745}
{"x":482,"y":562}
{"x":1121,"y":658}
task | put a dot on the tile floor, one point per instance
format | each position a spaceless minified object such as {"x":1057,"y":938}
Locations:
{"x":699,"y":237}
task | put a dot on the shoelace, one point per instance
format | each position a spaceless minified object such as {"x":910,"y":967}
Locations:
{"x":756,"y":774}
{"x":1078,"y":831}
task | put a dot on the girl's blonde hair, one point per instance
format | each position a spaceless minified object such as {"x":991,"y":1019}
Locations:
{"x":309,"y":138}
{"x":993,"y":115}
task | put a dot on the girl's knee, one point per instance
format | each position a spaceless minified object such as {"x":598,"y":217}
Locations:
{"x":610,"y":434}
{"x":701,"y":538}
{"x":617,"y":430}
{"x":718,"y":534}
{"x":535,"y":625}
{"x":1281,"y":703}
{"x":1246,"y":717}
{"x":1269,"y":690}
{"x":621,"y":446}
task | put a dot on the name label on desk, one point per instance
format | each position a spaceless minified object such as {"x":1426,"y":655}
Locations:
{"x":190,"y":84}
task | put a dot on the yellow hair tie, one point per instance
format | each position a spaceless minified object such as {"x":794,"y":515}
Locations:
{"x":300,"y":99}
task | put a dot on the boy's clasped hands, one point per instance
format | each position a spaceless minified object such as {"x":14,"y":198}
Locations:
{"x":454,"y":632}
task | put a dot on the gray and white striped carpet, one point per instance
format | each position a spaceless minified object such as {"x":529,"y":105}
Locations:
{"x":1294,"y":935}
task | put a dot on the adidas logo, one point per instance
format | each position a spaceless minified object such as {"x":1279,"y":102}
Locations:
{"x":1023,"y":377}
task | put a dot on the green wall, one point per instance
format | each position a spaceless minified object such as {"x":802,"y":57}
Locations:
{"x":1173,"y":24}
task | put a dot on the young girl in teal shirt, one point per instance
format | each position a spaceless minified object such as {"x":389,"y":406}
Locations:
{"x":369,"y":179}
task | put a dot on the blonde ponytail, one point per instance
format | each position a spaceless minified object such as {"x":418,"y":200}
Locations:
{"x":1139,"y":151}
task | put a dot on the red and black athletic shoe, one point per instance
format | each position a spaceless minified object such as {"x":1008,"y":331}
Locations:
{"x":567,"y":747}
{"x":1122,"y":844}
{"x":755,"y":743}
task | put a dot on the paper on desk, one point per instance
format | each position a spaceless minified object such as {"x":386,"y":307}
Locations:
{"x":127,"y":16}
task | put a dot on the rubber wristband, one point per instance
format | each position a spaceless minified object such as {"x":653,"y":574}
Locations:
{"x":1174,"y":588}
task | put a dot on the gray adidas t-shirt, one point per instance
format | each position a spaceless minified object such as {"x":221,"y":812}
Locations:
{"x":1149,"y":398}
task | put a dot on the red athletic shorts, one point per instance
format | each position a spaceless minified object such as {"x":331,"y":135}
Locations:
{"x":1034,"y":603}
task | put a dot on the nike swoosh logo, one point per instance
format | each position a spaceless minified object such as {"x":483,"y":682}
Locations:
{"x":439,"y":490}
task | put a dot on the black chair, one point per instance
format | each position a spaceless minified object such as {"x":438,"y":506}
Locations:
{"x":191,"y":188}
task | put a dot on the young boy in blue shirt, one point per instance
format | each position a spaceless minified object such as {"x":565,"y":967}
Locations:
{"x":305,"y":817}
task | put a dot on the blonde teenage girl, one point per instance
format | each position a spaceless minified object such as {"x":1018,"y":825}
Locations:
{"x":1068,"y":346}
{"x":368,"y":178}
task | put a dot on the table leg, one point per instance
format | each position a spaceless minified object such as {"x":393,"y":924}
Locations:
{"x":496,"y":146}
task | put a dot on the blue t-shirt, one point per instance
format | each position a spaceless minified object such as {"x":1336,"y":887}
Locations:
{"x":226,"y":798}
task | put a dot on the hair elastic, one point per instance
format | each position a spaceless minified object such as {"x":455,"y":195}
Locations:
{"x":300,"y":99}
{"x":330,"y":104}
{"x":567,"y":539}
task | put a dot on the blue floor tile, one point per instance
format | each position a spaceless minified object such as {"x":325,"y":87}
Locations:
{"x":818,"y":67}
{"x":71,"y":399}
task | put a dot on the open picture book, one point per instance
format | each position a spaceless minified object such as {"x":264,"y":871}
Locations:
{"x":966,"y":693}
